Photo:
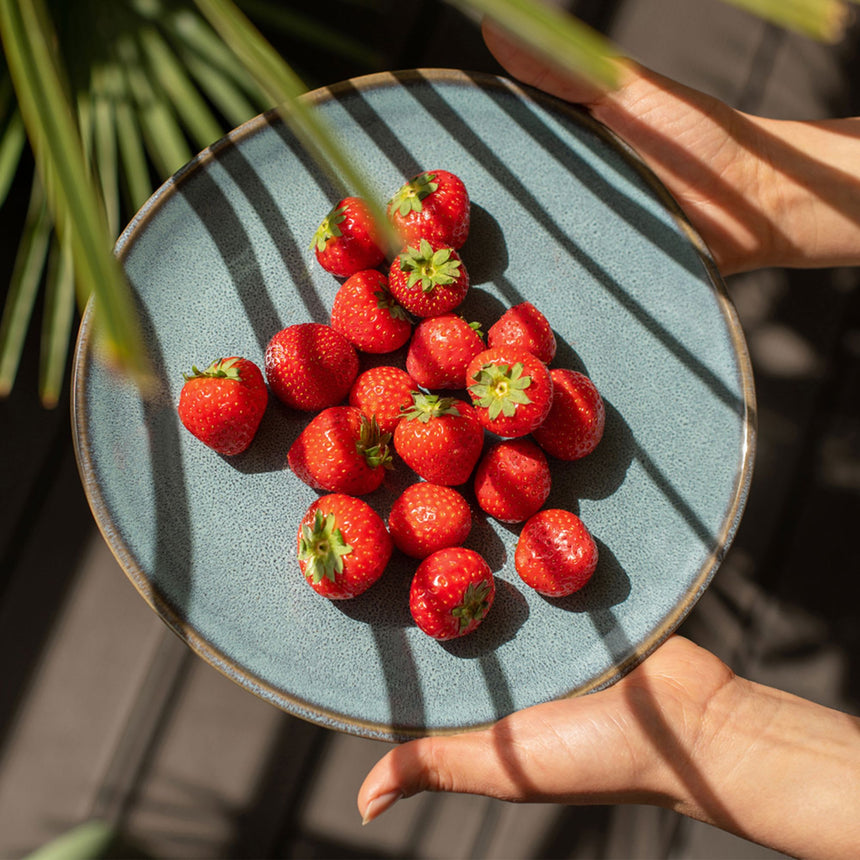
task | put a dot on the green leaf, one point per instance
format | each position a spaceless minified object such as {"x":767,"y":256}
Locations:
{"x":11,"y":147}
{"x":28,"y":42}
{"x":174,"y":81}
{"x":163,"y":136}
{"x":57,"y":322}
{"x":87,"y":841}
{"x":824,"y":20}
{"x":24,"y":285}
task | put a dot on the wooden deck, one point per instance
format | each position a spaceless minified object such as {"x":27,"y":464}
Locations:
{"x":105,"y":714}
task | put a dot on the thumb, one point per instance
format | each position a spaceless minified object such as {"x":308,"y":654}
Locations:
{"x":469,"y":763}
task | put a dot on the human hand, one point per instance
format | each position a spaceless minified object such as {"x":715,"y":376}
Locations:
{"x":632,"y":742}
{"x":760,"y":192}
{"x":682,"y":731}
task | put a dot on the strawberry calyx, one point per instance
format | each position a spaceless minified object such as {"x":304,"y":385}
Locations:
{"x":222,"y":368}
{"x":429,"y":267}
{"x":322,"y":548}
{"x":373,"y":444}
{"x":385,"y":301}
{"x":409,"y":196}
{"x":475,"y":604}
{"x":427,"y":406}
{"x":328,"y":228}
{"x":500,"y":388}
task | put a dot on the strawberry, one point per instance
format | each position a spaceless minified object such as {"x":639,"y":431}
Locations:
{"x":366,"y":314}
{"x":511,"y":390}
{"x":310,"y":366}
{"x":348,"y":241}
{"x":223,"y":405}
{"x":451,"y":593}
{"x":523,"y":326}
{"x":512,"y":480}
{"x":576,"y":419}
{"x":383,"y":392}
{"x":341,"y":450}
{"x":428,"y":280}
{"x":441,"y":349}
{"x":440,"y":438}
{"x":343,"y":546}
{"x":556,"y":554}
{"x":433,"y":205}
{"x":429,"y":517}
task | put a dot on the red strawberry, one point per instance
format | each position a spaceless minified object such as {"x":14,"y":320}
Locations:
{"x":451,"y":593}
{"x":343,"y":546}
{"x":441,"y":349}
{"x":440,"y":438}
{"x":525,"y":327}
{"x":428,"y":280}
{"x":383,"y":392}
{"x":341,"y":450}
{"x":365,"y":313}
{"x":429,"y":517}
{"x":511,"y":390}
{"x":556,"y":554}
{"x":223,"y":405}
{"x":348,"y":240}
{"x":512,"y":480}
{"x":576,"y":419}
{"x":310,"y":366}
{"x":433,"y":205}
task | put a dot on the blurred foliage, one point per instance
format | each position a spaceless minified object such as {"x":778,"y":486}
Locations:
{"x":101,"y":100}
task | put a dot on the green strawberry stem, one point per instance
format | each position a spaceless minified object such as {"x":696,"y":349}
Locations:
{"x":427,"y":406}
{"x":500,"y":388}
{"x":222,"y":368}
{"x":429,"y":268}
{"x":409,"y":196}
{"x":373,"y":445}
{"x":475,"y":604}
{"x":322,"y":547}
{"x":328,"y":228}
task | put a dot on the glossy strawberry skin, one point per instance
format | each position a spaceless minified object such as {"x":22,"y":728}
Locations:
{"x":513,"y":367}
{"x":224,"y":411}
{"x":441,"y":215}
{"x":445,"y":448}
{"x":523,"y":326}
{"x":555,"y":554}
{"x":310,"y":366}
{"x":329,"y":455}
{"x":451,"y":593}
{"x":366,"y":314}
{"x":361,"y":530}
{"x":512,"y":480}
{"x":440,"y":351}
{"x":428,"y":280}
{"x":383,"y":392}
{"x":347,"y":240}
{"x":576,"y":421}
{"x":429,"y":517}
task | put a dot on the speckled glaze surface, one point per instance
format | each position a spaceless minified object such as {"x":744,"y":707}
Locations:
{"x":562,"y":216}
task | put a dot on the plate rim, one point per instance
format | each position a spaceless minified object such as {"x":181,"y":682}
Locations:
{"x":86,"y":350}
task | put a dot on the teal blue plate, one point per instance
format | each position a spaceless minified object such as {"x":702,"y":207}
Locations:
{"x":564,"y":216}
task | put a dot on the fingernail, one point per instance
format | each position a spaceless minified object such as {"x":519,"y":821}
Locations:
{"x":378,"y":805}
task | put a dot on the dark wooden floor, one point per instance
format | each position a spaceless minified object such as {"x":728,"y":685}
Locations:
{"x":105,"y":714}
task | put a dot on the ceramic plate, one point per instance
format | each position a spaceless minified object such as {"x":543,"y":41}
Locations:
{"x":564,"y":216}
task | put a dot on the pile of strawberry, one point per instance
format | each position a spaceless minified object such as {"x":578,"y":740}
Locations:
{"x":465,"y":409}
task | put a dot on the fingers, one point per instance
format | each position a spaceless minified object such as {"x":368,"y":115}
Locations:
{"x":526,"y":66}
